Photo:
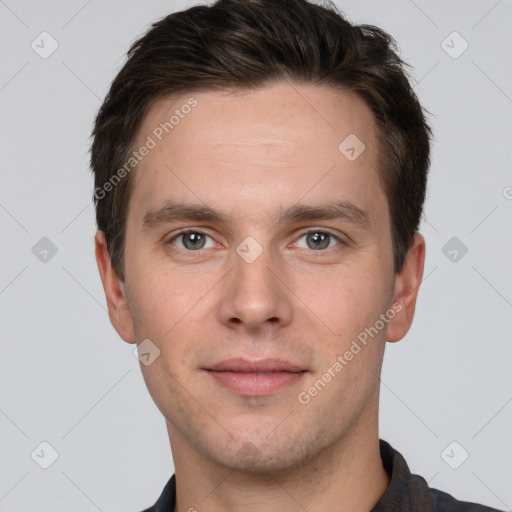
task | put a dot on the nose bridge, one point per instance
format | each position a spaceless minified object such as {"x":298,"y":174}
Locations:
{"x":253,"y":295}
{"x":252,"y":267}
{"x":252,"y":277}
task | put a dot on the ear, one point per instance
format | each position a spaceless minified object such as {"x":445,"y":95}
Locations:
{"x":118,"y":312}
{"x":407,"y":285}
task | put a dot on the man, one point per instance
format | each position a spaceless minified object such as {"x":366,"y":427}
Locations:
{"x":260,"y":172}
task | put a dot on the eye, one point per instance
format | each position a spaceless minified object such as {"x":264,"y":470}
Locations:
{"x":191,"y":240}
{"x":318,"y":240}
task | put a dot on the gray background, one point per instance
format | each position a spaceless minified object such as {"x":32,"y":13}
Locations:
{"x":66,"y":377}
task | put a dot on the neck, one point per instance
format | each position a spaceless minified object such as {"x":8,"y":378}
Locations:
{"x":346,"y":476}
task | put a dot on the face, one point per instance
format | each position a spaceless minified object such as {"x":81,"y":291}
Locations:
{"x":253,"y":236}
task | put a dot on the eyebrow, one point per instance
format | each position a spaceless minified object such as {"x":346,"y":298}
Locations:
{"x":173,"y":211}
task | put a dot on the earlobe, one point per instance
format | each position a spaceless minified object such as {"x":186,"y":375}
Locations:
{"x":117,"y":304}
{"x":406,"y":290}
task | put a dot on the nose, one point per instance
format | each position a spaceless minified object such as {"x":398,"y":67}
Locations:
{"x":254,"y":294}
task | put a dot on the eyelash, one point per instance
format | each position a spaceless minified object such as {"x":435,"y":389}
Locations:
{"x":190,"y":253}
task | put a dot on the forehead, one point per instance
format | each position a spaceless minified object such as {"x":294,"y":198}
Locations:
{"x":268,"y":146}
{"x":275,"y":115}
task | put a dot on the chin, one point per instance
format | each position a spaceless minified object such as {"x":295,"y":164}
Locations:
{"x":261,"y":455}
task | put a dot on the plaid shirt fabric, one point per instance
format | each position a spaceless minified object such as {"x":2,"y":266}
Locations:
{"x":405,"y":493}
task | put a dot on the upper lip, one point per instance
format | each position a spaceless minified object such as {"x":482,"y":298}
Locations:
{"x":262,"y":365}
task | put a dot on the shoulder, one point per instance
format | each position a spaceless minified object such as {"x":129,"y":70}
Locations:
{"x":167,"y":499}
{"x":408,"y":492}
{"x":447,"y":503}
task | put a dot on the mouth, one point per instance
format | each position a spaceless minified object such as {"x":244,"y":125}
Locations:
{"x":255,"y":378}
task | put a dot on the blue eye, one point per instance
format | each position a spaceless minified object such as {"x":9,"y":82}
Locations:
{"x":192,"y":240}
{"x":318,"y":240}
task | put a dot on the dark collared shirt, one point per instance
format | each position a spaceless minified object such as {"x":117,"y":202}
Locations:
{"x":406,"y":492}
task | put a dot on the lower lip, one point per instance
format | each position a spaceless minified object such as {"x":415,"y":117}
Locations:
{"x":256,"y":384}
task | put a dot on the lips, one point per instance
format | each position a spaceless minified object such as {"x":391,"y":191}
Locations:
{"x":265,"y":365}
{"x":255,"y":378}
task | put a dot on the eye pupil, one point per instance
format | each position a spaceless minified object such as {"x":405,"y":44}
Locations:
{"x":193,"y":240}
{"x":320,"y":240}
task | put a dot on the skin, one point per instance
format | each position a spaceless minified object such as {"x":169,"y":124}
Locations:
{"x":250,"y":155}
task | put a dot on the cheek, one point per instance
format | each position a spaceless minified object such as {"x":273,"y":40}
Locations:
{"x":345,"y":301}
{"x":170,"y":308}
{"x":159,"y":294}
{"x":157,"y":301}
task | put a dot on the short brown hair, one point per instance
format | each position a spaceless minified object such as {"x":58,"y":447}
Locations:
{"x":246,"y":44}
